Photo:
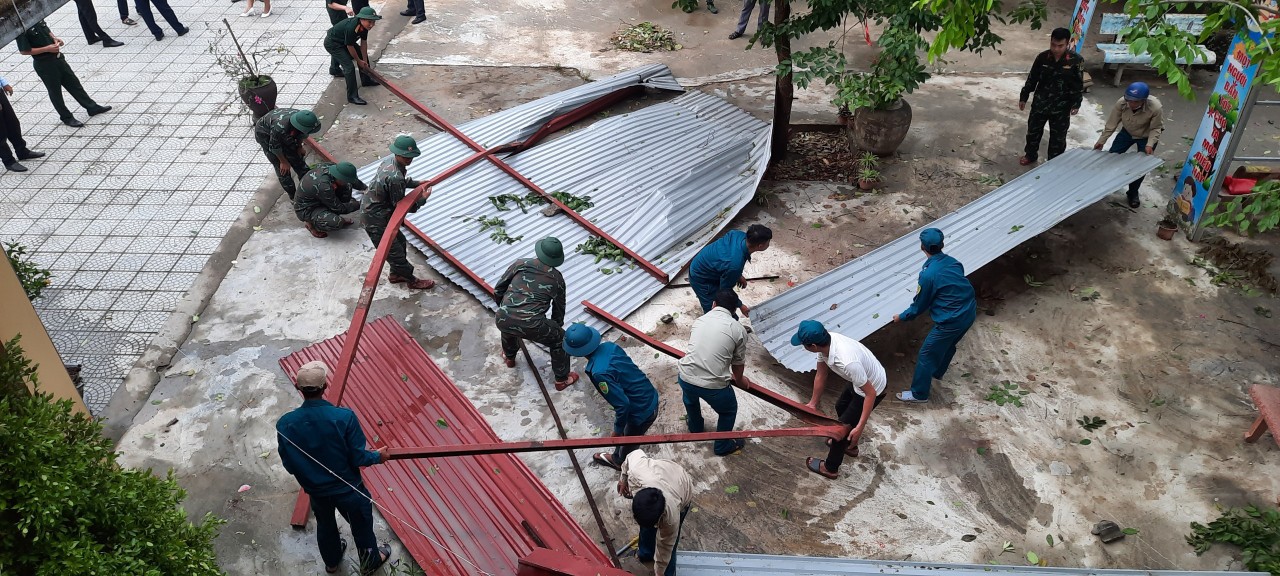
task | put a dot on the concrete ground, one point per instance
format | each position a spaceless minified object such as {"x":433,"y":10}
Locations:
{"x":1161,"y":355}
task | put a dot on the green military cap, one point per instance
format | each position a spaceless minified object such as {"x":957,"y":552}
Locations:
{"x":405,"y":146}
{"x":346,"y":172}
{"x":367,"y":13}
{"x":549,"y":251}
{"x":305,"y":121}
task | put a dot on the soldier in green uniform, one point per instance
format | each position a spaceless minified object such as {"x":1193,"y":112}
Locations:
{"x":45,"y":51}
{"x":325,"y":195}
{"x":524,"y":293}
{"x":347,"y":42}
{"x":281,"y":132}
{"x":1057,"y":79}
{"x":340,"y":10}
{"x":385,"y":191}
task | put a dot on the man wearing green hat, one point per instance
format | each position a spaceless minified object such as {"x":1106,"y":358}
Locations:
{"x":281,"y":132}
{"x":325,"y":195}
{"x":343,"y":43}
{"x":849,"y":359}
{"x":525,"y":292}
{"x":948,"y":296}
{"x":620,"y":381}
{"x":385,"y":191}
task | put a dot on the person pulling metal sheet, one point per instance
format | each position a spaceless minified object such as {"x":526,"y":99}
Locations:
{"x":529,"y":288}
{"x":716,"y":360}
{"x":347,"y":43}
{"x":718,"y":266}
{"x":325,"y":195}
{"x":385,"y":191}
{"x":661,"y":494}
{"x":948,"y":296}
{"x":623,"y":385}
{"x":1140,"y":118}
{"x":849,"y":359}
{"x":281,"y":133}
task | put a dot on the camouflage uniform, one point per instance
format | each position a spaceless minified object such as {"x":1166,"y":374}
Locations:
{"x":280,"y":139}
{"x":322,"y":199}
{"x":1059,"y":89}
{"x":387,"y":190}
{"x":525,"y":292}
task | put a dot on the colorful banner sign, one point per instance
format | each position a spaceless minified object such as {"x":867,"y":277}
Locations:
{"x":1195,"y":186}
{"x":1080,"y":20}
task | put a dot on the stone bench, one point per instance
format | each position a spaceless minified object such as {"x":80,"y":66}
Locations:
{"x":1118,"y":54}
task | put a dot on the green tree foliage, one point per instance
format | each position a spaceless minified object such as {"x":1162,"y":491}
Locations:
{"x":1258,"y":212}
{"x":1255,"y":530}
{"x":68,"y":509}
{"x":34,"y":279}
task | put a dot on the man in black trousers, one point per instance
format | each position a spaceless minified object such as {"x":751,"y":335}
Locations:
{"x":162,"y":6}
{"x":92,"y":30}
{"x":11,"y":131}
{"x":51,"y":66}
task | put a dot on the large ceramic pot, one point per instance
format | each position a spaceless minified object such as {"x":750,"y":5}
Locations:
{"x":880,"y":131}
{"x":260,"y":99}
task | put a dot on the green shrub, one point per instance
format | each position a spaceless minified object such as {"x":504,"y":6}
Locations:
{"x":68,"y":509}
{"x":34,"y":279}
{"x":1256,"y":530}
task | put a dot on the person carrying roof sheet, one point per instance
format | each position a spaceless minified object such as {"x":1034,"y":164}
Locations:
{"x":661,"y":494}
{"x":347,"y":43}
{"x":849,"y":359}
{"x":620,"y":382}
{"x":385,"y":191}
{"x":948,"y":296}
{"x":325,"y":195}
{"x":1140,"y":118}
{"x":529,"y":288}
{"x":323,"y":446}
{"x":281,"y":133}
{"x":716,"y":360}
{"x":718,"y":266}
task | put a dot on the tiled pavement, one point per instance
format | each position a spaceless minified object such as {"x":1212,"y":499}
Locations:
{"x":127,"y":209}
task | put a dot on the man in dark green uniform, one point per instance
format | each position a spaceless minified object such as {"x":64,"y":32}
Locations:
{"x":325,"y":195}
{"x":281,"y":132}
{"x":45,"y":51}
{"x":340,"y":10}
{"x":347,"y":42}
{"x":1058,"y":81}
{"x":525,"y":292}
{"x":385,"y":191}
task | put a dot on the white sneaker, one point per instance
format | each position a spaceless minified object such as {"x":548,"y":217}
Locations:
{"x":907,"y":397}
{"x":266,"y":14}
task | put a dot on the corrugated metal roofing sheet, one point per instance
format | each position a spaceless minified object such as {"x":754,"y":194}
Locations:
{"x":881,"y":283}
{"x":470,"y":507}
{"x":718,"y":564}
{"x":664,"y":179}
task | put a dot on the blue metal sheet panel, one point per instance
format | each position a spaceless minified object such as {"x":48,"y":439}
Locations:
{"x":719,"y":564}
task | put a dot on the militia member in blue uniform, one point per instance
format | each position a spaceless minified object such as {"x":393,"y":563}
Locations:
{"x":346,"y":42}
{"x":1057,"y":78}
{"x":325,"y":195}
{"x":385,"y":191}
{"x":529,"y":288}
{"x":623,"y":385}
{"x":281,"y":132}
{"x":323,"y":447}
{"x":719,"y":265}
{"x":947,"y":295}
{"x":45,"y":51}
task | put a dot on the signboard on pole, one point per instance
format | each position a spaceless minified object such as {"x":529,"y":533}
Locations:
{"x":1080,"y":20}
{"x":1203,"y":172}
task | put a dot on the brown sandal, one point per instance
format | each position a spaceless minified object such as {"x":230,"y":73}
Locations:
{"x":817,"y":466}
{"x":567,"y":382}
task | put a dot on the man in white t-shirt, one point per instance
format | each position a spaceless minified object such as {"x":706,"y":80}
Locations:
{"x":849,"y":359}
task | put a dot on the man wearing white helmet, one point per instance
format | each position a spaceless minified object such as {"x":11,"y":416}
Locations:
{"x":1141,"y":120}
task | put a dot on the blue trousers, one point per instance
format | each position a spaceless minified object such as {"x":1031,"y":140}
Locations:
{"x":723,"y":401}
{"x":1123,"y":141}
{"x":745,"y":17}
{"x":620,"y":452}
{"x":935,"y":355}
{"x":357,"y":510}
{"x":648,"y":542}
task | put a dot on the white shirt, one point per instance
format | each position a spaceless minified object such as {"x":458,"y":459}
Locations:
{"x":855,"y":363}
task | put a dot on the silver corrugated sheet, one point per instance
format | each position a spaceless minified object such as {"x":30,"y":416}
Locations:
{"x":719,"y":564}
{"x":868,"y":291}
{"x":664,"y":179}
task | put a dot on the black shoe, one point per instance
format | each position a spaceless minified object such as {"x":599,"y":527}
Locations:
{"x":335,"y":74}
{"x":712,"y":8}
{"x":1135,"y":202}
{"x":183,"y":31}
{"x":418,"y":20}
{"x":132,"y":22}
{"x":72,"y":122}
{"x":109,"y":43}
{"x":735,"y":36}
{"x":357,"y":101}
{"x":99,"y":110}
{"x":30,"y":155}
{"x":367,"y":81}
{"x":94,"y":41}
{"x":406,"y":12}
{"x":15,"y":167}
{"x":159,"y":37}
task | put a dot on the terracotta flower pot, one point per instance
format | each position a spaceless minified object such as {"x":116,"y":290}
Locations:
{"x":867,"y":184}
{"x":1166,"y":230}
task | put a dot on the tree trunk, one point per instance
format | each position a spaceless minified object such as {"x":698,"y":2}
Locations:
{"x":784,"y":90}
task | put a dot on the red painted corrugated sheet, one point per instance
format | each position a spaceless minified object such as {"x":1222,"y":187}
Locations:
{"x":471,"y":507}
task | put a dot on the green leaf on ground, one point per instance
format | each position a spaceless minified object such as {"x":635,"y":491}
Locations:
{"x":1086,"y":442}
{"x":731,"y":489}
{"x":1033,"y":558}
{"x":1130,"y":531}
{"x":441,"y":423}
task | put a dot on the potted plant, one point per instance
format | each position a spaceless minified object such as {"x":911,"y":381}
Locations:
{"x":881,"y":118}
{"x":1165,"y":228}
{"x":868,"y":171}
{"x":256,"y":88}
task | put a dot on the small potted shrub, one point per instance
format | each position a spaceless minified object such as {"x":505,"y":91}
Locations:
{"x":1166,"y":228}
{"x":246,"y":68}
{"x":868,"y":171}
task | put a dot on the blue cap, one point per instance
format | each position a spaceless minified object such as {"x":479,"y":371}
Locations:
{"x":931,"y":238}
{"x":1137,"y":91}
{"x":581,"y":340}
{"x":811,"y":332}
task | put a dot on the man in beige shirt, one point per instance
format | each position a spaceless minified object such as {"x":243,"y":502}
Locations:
{"x":1141,"y":120}
{"x":661,"y":493}
{"x":716,"y":360}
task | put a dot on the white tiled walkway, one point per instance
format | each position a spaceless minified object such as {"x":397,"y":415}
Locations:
{"x":126,"y":210}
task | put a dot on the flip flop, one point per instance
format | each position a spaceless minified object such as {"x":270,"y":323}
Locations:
{"x":815,"y":466}
{"x":605,"y":459}
{"x":851,"y":451}
{"x":334,"y":569}
{"x":384,"y":554}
